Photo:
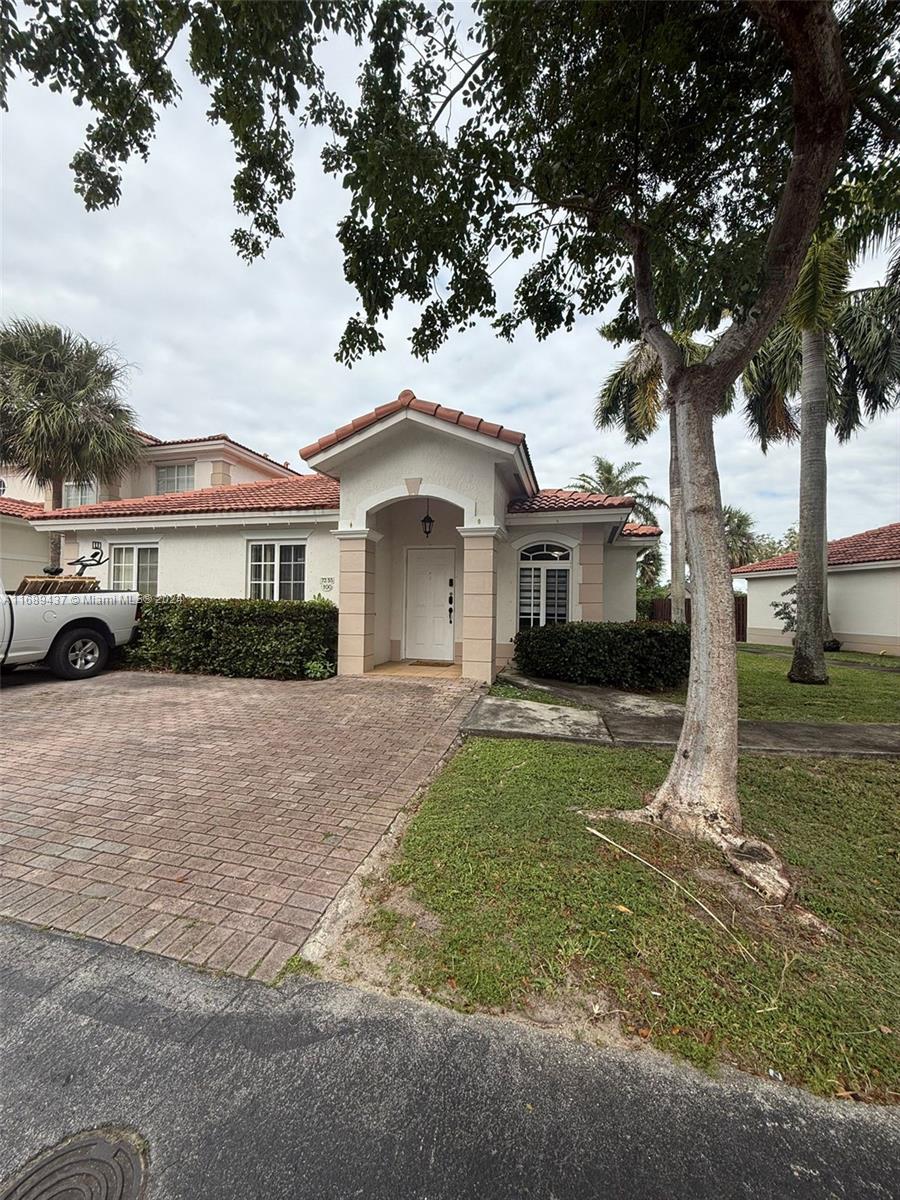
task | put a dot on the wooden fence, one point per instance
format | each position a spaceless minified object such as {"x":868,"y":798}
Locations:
{"x":661,"y":610}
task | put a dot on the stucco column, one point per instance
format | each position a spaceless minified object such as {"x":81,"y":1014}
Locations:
{"x":479,"y":604}
{"x":356,"y":602}
{"x":590,"y":592}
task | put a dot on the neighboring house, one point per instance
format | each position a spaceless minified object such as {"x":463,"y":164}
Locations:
{"x":863,"y":592}
{"x":180,"y":465}
{"x":499,"y":553}
{"x":23,"y":549}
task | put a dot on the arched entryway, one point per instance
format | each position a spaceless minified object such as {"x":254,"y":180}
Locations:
{"x":418,"y":588}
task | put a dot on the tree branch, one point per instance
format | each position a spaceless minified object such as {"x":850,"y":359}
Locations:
{"x":458,"y":87}
{"x":821,"y":104}
{"x":671,"y":356}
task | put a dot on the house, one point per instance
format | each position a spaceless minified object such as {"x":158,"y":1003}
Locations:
{"x":426,"y":525}
{"x":180,"y":465}
{"x":23,"y":548}
{"x":863,"y":592}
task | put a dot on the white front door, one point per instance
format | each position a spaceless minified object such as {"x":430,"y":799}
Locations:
{"x":430,"y":592}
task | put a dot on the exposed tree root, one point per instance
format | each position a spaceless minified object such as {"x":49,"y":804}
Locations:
{"x":756,"y":862}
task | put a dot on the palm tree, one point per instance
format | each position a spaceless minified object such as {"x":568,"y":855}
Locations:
{"x":61,"y":412}
{"x":633,"y":398}
{"x":622,"y":481}
{"x":840,"y":351}
{"x":740,"y":535}
{"x":649,"y":567}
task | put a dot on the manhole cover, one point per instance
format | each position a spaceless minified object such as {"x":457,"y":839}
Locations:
{"x":95,"y":1165}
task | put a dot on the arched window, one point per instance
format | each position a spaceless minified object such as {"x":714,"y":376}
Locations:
{"x":544,"y":584}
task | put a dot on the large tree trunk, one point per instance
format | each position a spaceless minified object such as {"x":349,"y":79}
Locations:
{"x":808,"y":665}
{"x":699,"y":795}
{"x":676,"y":517}
{"x":56,"y":499}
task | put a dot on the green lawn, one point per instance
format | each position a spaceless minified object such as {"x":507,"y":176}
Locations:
{"x":766,"y":695}
{"x":836,"y":657}
{"x":529,"y":904}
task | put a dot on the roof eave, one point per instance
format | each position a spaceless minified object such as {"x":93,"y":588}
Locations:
{"x":251,"y":516}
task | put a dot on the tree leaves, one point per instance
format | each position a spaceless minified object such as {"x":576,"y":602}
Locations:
{"x":522,"y":141}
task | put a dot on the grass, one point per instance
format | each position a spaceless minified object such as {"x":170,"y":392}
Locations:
{"x":836,"y":657}
{"x":510,"y":691}
{"x":530,"y":905}
{"x":851,"y":696}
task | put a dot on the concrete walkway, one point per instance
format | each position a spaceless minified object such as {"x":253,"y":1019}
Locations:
{"x":316,"y":1091}
{"x":613,"y":718}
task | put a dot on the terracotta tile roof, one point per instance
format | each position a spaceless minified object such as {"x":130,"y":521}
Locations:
{"x":641,"y":530}
{"x":19,"y":508}
{"x":873,"y":545}
{"x":408,"y":399}
{"x":274,"y":495}
{"x":563,"y":500}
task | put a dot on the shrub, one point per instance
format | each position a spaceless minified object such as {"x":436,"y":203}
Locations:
{"x":642,"y":655}
{"x":256,"y":639}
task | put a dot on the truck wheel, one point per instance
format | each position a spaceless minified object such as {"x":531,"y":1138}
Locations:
{"x":78,"y":654}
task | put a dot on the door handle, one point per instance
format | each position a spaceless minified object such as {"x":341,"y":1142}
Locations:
{"x":450,"y":614}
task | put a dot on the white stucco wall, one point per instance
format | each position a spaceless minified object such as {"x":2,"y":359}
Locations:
{"x":619,"y":582}
{"x":864,"y":606}
{"x":19,"y":487}
{"x":374,"y":475}
{"x":23,"y":551}
{"x":211,"y":561}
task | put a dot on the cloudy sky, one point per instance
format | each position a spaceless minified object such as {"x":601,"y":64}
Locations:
{"x":219,"y":346}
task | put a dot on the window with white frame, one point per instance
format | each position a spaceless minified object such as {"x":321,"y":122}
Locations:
{"x":545,"y":570}
{"x":135,"y":569}
{"x":277,"y":570}
{"x":177,"y":477}
{"x":77,"y":494}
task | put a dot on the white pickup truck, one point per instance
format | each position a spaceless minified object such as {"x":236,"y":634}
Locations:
{"x":71,"y":633}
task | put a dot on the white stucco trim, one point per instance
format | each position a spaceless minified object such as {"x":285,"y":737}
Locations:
{"x":256,"y":535}
{"x":587,"y":516}
{"x":357,"y":535}
{"x":301,"y":516}
{"x":427,"y":490}
{"x":496,"y":531}
{"x":526,"y":539}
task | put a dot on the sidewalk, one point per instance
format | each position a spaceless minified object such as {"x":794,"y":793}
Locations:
{"x":615,"y":718}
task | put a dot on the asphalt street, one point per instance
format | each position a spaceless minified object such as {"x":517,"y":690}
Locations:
{"x":240,"y":1091}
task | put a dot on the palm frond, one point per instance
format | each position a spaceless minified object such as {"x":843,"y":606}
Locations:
{"x":771,"y":378}
{"x":819,"y":293}
{"x":62,"y":408}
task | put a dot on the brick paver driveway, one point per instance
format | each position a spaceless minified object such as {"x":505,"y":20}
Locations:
{"x":210,"y":820}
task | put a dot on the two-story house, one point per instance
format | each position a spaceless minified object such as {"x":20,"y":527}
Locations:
{"x":165,"y":467}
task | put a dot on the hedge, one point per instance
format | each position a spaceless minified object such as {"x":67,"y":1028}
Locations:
{"x":641,"y":655}
{"x":255,"y":639}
